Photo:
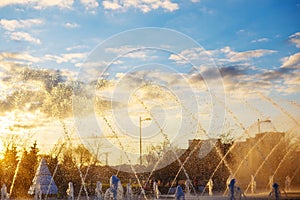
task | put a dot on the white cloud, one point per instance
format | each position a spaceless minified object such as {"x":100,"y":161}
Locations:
{"x":234,"y":56}
{"x":111,"y":5}
{"x":192,"y":54}
{"x":13,"y":24}
{"x":90,"y":4}
{"x":142,"y":5}
{"x":260,"y":40}
{"x":225,"y":54}
{"x":69,"y":57}
{"x":71,"y":25}
{"x":23,"y":36}
{"x":195,"y":1}
{"x":25,"y":56}
{"x":15,"y":61}
{"x":76,"y":47}
{"x":39,"y":4}
{"x":129,"y":52}
{"x":292,"y":61}
{"x":295,"y":38}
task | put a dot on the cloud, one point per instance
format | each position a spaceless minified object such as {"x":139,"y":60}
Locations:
{"x":39,"y":4}
{"x":195,"y":1}
{"x":292,"y":61}
{"x":223,"y":55}
{"x":194,"y":54}
{"x":18,"y":56}
{"x":260,"y":40}
{"x":23,"y":36}
{"x":295,"y":38}
{"x":71,"y":25}
{"x":234,"y":56}
{"x":68,"y":57}
{"x":90,"y":4}
{"x":111,"y":5}
{"x":142,"y":5}
{"x":76,"y":47}
{"x":129,"y":52}
{"x":13,"y":24}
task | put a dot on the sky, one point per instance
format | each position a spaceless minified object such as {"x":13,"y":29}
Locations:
{"x":212,"y":67}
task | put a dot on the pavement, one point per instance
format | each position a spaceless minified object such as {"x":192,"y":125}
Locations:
{"x":259,"y":196}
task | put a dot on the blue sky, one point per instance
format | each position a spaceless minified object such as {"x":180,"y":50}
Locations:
{"x":242,"y":25}
{"x":255,"y":45}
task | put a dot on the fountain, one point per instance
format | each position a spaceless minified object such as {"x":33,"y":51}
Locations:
{"x":271,"y":182}
{"x":70,"y":191}
{"x":210,"y":185}
{"x":228,"y":181}
{"x":42,"y":182}
{"x":287,"y":186}
{"x":155,"y":189}
{"x":37,"y":192}
{"x":129,"y":193}
{"x":4,"y":194}
{"x":253,"y":184}
{"x":187,"y":187}
{"x":98,"y":191}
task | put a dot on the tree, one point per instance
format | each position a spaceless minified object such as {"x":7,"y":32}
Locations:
{"x":27,"y":167}
{"x":9,"y":164}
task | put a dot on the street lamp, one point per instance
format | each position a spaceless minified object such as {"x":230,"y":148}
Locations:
{"x":141,"y":120}
{"x":258,"y":123}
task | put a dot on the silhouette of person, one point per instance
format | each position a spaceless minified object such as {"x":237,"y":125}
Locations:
{"x":231,"y":187}
{"x":275,"y":193}
{"x":179,"y":194}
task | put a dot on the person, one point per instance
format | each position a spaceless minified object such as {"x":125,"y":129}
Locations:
{"x":179,"y":194}
{"x":231,"y":187}
{"x":287,"y":184}
{"x":4,"y":194}
{"x":253,"y":184}
{"x":275,"y":193}
{"x":70,"y":191}
{"x":195,"y":184}
{"x":98,"y":191}
{"x":235,"y":192}
{"x":210,"y":185}
{"x":115,"y":191}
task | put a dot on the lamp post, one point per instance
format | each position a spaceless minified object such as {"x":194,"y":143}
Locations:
{"x":145,"y":119}
{"x":258,"y":123}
